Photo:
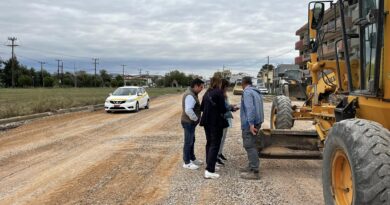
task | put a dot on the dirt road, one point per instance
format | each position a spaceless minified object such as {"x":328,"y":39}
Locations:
{"x":135,"y":158}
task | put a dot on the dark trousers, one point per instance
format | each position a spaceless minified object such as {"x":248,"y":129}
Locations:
{"x":213,"y":136}
{"x":189,"y":142}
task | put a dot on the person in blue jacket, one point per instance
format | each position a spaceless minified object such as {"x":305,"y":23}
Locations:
{"x":252,"y":116}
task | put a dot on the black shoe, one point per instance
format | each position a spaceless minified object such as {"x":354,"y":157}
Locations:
{"x":222,"y":157}
{"x":219,"y":162}
{"x":250,"y":175}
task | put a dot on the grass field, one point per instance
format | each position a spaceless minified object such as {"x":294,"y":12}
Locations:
{"x":17,"y":102}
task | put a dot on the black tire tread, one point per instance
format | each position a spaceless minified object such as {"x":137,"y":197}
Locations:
{"x":284,"y":116}
{"x":368,"y":147}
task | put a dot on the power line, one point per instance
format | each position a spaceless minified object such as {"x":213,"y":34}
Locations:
{"x":284,"y":53}
{"x":55,"y":53}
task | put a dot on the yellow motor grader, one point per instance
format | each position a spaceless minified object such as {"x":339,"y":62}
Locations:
{"x":348,"y":103}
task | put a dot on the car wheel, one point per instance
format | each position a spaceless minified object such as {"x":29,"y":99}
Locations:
{"x":147,"y":104}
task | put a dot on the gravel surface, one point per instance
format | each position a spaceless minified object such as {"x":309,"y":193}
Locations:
{"x":135,"y":158}
{"x":282,"y":181}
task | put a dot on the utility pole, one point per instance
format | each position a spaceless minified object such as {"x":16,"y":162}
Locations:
{"x":268,"y":73}
{"x":42,"y":63}
{"x":123,"y":74}
{"x":13,"y":45}
{"x":95,"y":62}
{"x":75,"y":75}
{"x":267,"y":60}
{"x":58,"y":70}
{"x":140,"y":73}
{"x":62,"y":74}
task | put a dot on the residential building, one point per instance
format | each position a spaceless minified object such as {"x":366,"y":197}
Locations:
{"x":329,"y":33}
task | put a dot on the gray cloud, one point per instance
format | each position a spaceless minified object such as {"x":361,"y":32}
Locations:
{"x":193,"y":35}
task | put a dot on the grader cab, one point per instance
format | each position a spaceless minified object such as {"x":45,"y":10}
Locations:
{"x":348,"y":103}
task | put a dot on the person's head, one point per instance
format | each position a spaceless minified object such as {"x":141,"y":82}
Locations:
{"x":225,"y":85}
{"x":197,"y":85}
{"x":215,"y":82}
{"x":246,"y":81}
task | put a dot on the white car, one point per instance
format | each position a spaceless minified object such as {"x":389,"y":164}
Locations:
{"x":128,"y":98}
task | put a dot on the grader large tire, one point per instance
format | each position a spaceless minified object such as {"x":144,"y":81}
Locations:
{"x":356,"y":163}
{"x":281,"y":113}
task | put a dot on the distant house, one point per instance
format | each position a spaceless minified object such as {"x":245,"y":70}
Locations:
{"x":281,"y":68}
{"x":235,"y":77}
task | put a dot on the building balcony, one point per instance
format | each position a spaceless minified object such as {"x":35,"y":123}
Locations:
{"x":299,"y":60}
{"x":299,"y":45}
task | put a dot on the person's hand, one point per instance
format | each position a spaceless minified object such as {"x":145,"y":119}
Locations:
{"x":235,"y":108}
{"x":253,"y":130}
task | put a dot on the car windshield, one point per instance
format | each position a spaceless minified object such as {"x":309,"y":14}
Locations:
{"x":125,"y":91}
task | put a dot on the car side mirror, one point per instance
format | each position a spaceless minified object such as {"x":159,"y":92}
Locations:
{"x":110,"y":94}
{"x":317,"y":15}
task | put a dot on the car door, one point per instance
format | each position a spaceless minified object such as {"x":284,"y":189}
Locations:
{"x":145,"y":96}
{"x":142,"y":97}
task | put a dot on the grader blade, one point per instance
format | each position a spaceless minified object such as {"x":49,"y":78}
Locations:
{"x":288,"y":144}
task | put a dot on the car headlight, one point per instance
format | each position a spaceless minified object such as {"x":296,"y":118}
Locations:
{"x":107,"y":101}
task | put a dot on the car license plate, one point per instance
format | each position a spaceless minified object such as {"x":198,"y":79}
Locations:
{"x":117,"y":105}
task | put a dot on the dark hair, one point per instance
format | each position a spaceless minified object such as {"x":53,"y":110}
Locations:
{"x":197,"y":82}
{"x":215,"y":82}
{"x":247,"y":80}
{"x":225,"y":84}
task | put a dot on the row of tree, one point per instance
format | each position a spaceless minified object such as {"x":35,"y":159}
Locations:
{"x":31,"y":77}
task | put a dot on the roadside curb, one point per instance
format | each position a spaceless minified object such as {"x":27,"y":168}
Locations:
{"x":8,"y":123}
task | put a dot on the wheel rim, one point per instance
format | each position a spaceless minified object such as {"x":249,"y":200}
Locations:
{"x":342,"y":184}
{"x":273,"y":119}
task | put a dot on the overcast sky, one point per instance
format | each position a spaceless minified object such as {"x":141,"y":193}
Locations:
{"x":195,"y":36}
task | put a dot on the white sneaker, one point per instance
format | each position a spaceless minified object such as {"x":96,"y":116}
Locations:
{"x":197,"y":162}
{"x":209,"y":175}
{"x":190,"y":166}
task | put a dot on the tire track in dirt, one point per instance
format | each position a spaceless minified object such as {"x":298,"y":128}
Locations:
{"x":80,"y":154}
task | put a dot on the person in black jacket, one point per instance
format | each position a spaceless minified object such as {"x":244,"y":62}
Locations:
{"x":213,"y":121}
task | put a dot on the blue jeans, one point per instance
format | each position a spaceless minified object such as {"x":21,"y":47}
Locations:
{"x":189,"y":142}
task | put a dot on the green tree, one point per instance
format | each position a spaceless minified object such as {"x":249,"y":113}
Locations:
{"x":114,"y":83}
{"x":119,"y":80}
{"x":105,"y":77}
{"x":268,"y":67}
{"x":7,"y":72}
{"x":25,"y":81}
{"x":180,"y":77}
{"x":68,"y":79}
{"x":49,"y":81}
{"x":84,"y":79}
